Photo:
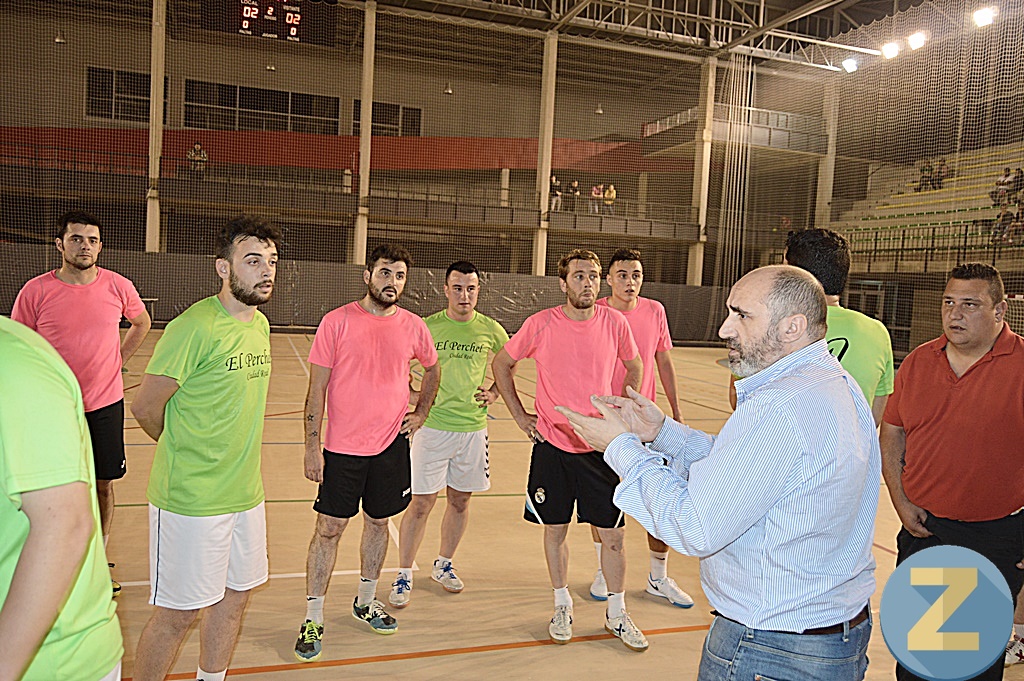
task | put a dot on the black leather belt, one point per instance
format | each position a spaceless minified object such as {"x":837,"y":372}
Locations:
{"x":819,"y":631}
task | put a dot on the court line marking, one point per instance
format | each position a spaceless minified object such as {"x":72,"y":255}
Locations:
{"x":446,"y":652}
{"x":302,"y":362}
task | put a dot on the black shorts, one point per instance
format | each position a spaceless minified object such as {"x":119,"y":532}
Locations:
{"x":383,"y":482}
{"x":559,"y":479}
{"x":106,"y":430}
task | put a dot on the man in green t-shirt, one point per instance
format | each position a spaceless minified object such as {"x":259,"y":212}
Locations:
{"x":450,"y":450}
{"x":203,"y":400}
{"x":860,"y":343}
{"x":57,"y":621}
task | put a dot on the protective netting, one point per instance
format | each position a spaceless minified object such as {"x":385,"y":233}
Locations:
{"x":713,"y":156}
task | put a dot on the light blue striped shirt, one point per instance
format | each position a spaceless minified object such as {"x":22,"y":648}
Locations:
{"x":780,"y":506}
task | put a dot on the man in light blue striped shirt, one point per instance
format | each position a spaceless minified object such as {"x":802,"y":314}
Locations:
{"x":780,"y":506}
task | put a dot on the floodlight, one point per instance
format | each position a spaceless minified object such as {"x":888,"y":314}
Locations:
{"x":985,"y":16}
{"x":917,"y":40}
{"x":850,"y":65}
{"x":890,"y":50}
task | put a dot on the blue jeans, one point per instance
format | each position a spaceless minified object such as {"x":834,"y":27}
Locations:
{"x":733,"y":652}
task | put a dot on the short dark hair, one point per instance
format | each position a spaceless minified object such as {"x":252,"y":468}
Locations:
{"x":242,"y":227}
{"x":75,"y":217}
{"x":792,"y":292}
{"x":576,"y":254}
{"x":624,"y":255}
{"x":389,"y":252}
{"x":461,"y":266}
{"x":979,"y":270}
{"x":823,"y":253}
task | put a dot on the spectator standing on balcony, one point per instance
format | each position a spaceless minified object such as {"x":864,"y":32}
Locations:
{"x":596,"y":196}
{"x":1004,"y":185}
{"x":927,"y":175}
{"x":555,"y":192}
{"x":1018,"y":186}
{"x":197,"y":158}
{"x":78,"y":310}
{"x":941,"y":173}
{"x":609,"y":199}
{"x":572,"y":194}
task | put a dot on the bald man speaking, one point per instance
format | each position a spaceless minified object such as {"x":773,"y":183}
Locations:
{"x":780,"y":505}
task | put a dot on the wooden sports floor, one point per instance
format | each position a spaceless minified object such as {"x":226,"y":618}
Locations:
{"x":497,"y":627}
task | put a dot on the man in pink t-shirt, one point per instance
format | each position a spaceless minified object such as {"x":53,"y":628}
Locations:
{"x":359,"y":368}
{"x":576,"y":347}
{"x":649,"y":324}
{"x":78,"y":309}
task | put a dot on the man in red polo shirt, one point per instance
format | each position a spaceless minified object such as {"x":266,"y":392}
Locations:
{"x":958,"y":399}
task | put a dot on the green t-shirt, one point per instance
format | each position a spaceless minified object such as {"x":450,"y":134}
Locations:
{"x":862,"y":345}
{"x":44,"y":442}
{"x":208,"y":458}
{"x":462,"y":349}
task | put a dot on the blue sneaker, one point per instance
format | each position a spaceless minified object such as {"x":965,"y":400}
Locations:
{"x":401,"y":591}
{"x":375,"y":615}
{"x":307,"y":648}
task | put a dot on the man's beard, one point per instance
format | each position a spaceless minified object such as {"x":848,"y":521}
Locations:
{"x":77,"y":265}
{"x":377,"y":296}
{"x":250,"y":296}
{"x":755,"y":356}
{"x":575,"y":301}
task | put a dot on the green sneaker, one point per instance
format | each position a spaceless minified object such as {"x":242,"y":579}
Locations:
{"x":375,"y":615}
{"x":307,"y":648}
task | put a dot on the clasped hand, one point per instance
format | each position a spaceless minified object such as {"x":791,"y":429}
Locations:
{"x":632,"y":414}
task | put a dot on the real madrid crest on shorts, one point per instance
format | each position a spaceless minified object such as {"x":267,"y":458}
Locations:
{"x":539,"y":496}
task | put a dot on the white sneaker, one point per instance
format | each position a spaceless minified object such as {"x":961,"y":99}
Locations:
{"x":599,"y":589}
{"x":1014,"y":652}
{"x":446,"y":577}
{"x":560,"y":629}
{"x":401,"y":592}
{"x":667,"y":588}
{"x":630,"y":634}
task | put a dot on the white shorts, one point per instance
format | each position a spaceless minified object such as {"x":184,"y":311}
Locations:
{"x":458,"y":460}
{"x":192,"y":559}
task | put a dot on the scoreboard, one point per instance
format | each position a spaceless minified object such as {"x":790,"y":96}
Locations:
{"x":280,"y":19}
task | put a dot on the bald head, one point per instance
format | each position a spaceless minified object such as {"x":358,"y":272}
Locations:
{"x":792,"y":291}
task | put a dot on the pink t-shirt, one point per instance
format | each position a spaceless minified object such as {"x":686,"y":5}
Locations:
{"x":649,"y":325}
{"x":82,"y":323}
{"x":574,"y":361}
{"x":368,"y":393}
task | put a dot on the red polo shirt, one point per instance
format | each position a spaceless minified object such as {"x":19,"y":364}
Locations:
{"x":965,"y":436}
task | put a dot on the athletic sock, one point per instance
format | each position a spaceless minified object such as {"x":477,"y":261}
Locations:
{"x":315,"y":608}
{"x":442,"y":561}
{"x":405,"y":572}
{"x":597,"y":547}
{"x":562,"y":597}
{"x":1018,"y":629}
{"x":367,"y":591}
{"x":659,"y":565}
{"x":616,"y":604}
{"x":211,"y":676}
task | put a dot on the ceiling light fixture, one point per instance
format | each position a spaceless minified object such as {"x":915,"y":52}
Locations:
{"x":448,"y":88}
{"x":599,"y":110}
{"x":850,"y":65}
{"x":917,"y":40}
{"x":890,"y":50}
{"x":59,"y":38}
{"x":985,"y":16}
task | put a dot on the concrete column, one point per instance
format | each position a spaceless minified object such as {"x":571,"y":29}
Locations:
{"x":157,"y":69}
{"x":505,"y":181}
{"x":547,"y":132}
{"x":827,"y":164}
{"x":358,"y":255}
{"x":641,"y":196}
{"x":702,"y":170}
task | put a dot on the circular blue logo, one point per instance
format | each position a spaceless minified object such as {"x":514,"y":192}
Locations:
{"x":946,"y":613}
